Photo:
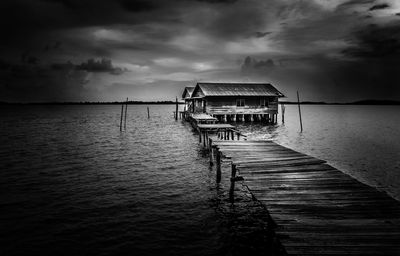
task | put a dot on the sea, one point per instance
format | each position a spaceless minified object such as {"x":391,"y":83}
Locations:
{"x":72,"y":183}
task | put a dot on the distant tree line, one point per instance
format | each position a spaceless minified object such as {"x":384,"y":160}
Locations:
{"x":91,"y":102}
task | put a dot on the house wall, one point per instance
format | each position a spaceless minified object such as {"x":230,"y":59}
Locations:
{"x":227,"y":105}
{"x":197,"y":93}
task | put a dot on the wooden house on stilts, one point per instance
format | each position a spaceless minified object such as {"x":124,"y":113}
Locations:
{"x":186,"y":95}
{"x":230,"y":102}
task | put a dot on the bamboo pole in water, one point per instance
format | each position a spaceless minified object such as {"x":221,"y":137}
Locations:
{"x":176,"y":109}
{"x":126,"y":110}
{"x":232,"y":187}
{"x":218,"y":160}
{"x":298,"y":103}
{"x":122,"y":114}
{"x":148,"y":112}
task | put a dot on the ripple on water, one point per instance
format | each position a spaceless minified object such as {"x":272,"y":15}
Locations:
{"x":73,"y":184}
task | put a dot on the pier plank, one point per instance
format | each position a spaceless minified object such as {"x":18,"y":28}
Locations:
{"x":317,"y":209}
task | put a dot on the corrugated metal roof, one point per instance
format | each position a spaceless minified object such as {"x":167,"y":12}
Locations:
{"x":189,"y":90}
{"x":239,"y":89}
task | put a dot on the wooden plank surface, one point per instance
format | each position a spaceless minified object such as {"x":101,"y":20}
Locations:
{"x":317,"y":209}
{"x":215,"y":126}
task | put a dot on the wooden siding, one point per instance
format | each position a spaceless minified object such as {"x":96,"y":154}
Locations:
{"x":227,"y":105}
{"x":197,"y":93}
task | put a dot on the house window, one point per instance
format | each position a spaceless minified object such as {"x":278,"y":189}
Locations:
{"x":264,"y":102}
{"x":240,"y":102}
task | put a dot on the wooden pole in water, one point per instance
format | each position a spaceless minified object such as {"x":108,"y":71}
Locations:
{"x":283,"y":112}
{"x":122,"y":114}
{"x":298,"y":103}
{"x":126,"y":110}
{"x":218,"y":160}
{"x":176,"y":109}
{"x":232,"y":188}
{"x":148,"y":112}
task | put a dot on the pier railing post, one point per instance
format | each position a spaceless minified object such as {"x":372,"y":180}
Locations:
{"x":218,"y":166}
{"x":232,"y":188}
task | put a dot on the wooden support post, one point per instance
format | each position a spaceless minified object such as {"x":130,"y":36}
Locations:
{"x":218,"y":166}
{"x":204,"y":138}
{"x":126,"y":110}
{"x":148,"y":112}
{"x":251,"y":118}
{"x":232,"y":188}
{"x":211,"y":152}
{"x":176,"y":109}
{"x":233,"y":135}
{"x":225,"y":134}
{"x":298,"y":103}
{"x":283,"y":112}
{"x":199,"y":136}
{"x":122,"y":114}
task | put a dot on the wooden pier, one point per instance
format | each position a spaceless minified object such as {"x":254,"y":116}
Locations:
{"x":315,"y":208}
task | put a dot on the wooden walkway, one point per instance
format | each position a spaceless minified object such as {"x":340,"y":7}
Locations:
{"x":317,"y":209}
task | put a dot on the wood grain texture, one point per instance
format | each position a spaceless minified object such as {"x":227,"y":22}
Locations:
{"x":317,"y":209}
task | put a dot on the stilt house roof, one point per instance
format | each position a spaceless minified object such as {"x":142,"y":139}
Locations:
{"x":235,"y":89}
{"x":187,"y":92}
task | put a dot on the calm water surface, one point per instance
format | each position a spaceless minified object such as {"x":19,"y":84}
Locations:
{"x":72,"y":184}
{"x":363,"y":141}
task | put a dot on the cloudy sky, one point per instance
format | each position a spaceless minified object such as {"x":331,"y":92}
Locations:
{"x":106,"y":50}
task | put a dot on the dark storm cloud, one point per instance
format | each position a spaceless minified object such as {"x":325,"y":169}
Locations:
{"x":218,"y":1}
{"x":355,"y":2}
{"x":91,"y":65}
{"x":378,"y":42}
{"x":261,"y":34}
{"x":251,"y":65}
{"x":379,"y":7}
{"x":138,"y":6}
{"x":22,"y":82}
{"x":170,"y":42}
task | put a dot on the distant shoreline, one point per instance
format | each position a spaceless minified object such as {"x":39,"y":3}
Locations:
{"x":94,"y":103}
{"x":361,"y":102}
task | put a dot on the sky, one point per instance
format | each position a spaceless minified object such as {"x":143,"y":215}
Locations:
{"x":104,"y":50}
